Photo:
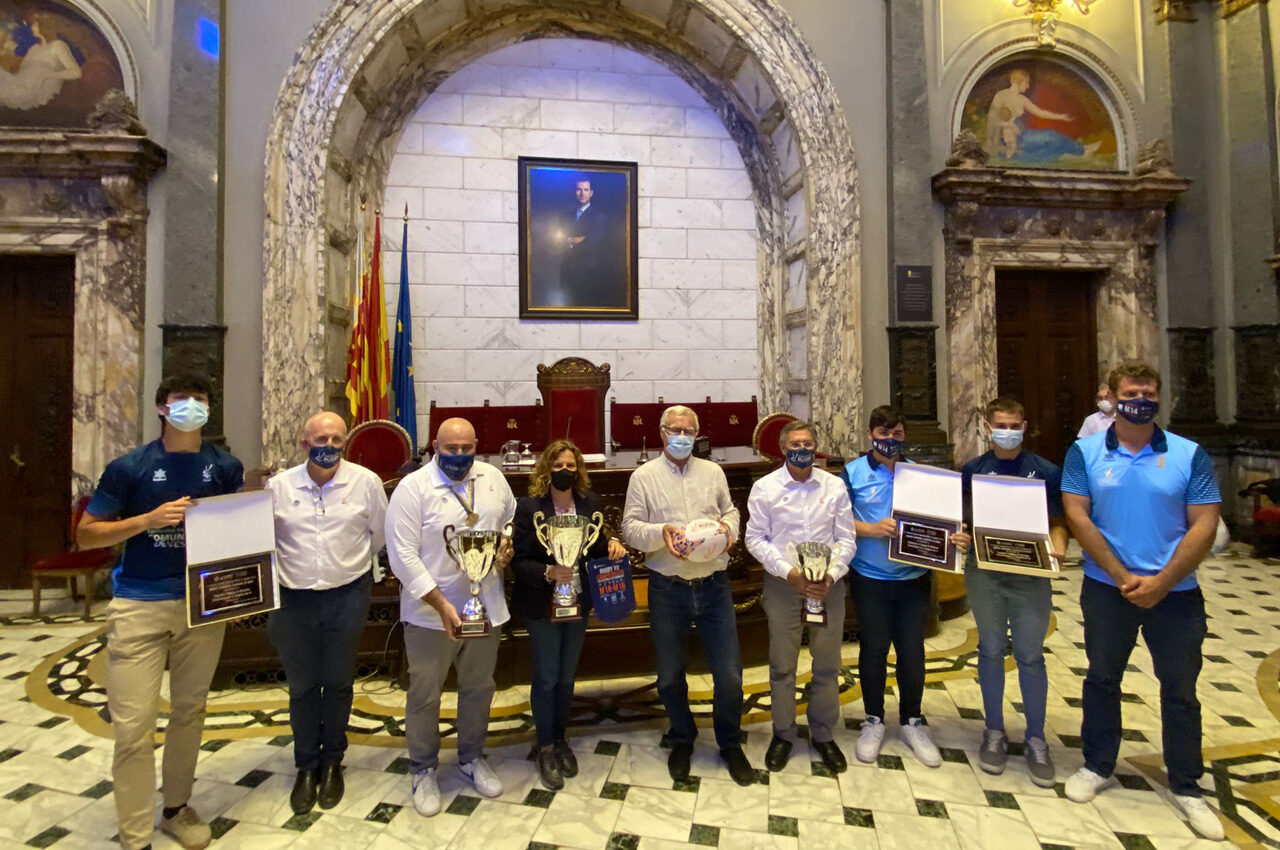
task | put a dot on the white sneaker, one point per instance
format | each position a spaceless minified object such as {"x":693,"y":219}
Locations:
{"x":1084,"y":785}
{"x":870,"y":740}
{"x":482,"y":777}
{"x":916,"y":734}
{"x":1202,"y":818}
{"x":426,"y":792}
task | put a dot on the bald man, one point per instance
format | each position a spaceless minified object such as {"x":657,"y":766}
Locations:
{"x":452,"y":489}
{"x":330,"y":516}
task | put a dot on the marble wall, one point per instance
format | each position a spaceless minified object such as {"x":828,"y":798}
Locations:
{"x":455,"y":170}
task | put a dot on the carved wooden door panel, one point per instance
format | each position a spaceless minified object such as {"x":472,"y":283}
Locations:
{"x":36,"y":348}
{"x":1046,"y":352}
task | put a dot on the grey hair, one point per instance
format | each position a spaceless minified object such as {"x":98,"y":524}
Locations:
{"x":793,"y":426}
{"x":678,"y":410}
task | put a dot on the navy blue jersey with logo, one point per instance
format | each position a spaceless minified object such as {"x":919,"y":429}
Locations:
{"x":1025,"y":465}
{"x":139,"y":482}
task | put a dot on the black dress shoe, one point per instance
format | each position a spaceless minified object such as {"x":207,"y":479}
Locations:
{"x":568,"y":761}
{"x":739,"y":768}
{"x":831,"y":755}
{"x":775,"y":758}
{"x":678,"y":761}
{"x":303,"y":797}
{"x":549,"y":769}
{"x":332,"y":786}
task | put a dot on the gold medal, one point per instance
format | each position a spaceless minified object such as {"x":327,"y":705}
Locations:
{"x":472,"y":518}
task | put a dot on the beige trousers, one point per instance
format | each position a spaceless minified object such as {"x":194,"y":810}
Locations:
{"x":141,"y":636}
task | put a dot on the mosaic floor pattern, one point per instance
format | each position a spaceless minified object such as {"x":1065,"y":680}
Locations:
{"x":55,"y":756}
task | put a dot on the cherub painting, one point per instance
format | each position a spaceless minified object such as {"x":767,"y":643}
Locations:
{"x":54,"y":65}
{"x":1034,"y":113}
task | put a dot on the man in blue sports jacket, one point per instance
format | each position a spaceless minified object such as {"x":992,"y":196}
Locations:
{"x":1144,"y":505}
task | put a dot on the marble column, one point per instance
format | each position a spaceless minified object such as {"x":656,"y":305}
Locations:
{"x":912,"y":226}
{"x":192,"y":328}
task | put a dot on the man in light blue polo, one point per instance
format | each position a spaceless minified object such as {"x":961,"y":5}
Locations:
{"x":1144,"y":505}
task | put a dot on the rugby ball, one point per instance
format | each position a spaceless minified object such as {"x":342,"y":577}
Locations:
{"x":701,"y":540}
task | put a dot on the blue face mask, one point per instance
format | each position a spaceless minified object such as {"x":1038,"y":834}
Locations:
{"x":1139,"y":411}
{"x":888,"y":448}
{"x":800,"y":458}
{"x":325,"y":457}
{"x":455,"y":466}
{"x":188,"y":414}
{"x":679,"y":446}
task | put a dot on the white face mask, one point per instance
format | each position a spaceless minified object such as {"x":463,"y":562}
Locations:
{"x":1007,"y":438}
{"x":1106,"y":406}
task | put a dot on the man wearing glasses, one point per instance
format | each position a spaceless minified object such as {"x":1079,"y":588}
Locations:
{"x":662,"y":497}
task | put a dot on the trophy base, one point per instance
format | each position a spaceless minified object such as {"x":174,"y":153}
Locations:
{"x":566,"y":613}
{"x":814,"y":618}
{"x":472,"y":629}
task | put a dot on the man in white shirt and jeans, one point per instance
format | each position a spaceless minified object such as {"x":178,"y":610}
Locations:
{"x":793,"y":505}
{"x":663,"y":496}
{"x":452,"y":489}
{"x":329,"y":527}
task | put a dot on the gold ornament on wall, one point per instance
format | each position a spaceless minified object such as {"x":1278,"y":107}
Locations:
{"x":1044,"y":16}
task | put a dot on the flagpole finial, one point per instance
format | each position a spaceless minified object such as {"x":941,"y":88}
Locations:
{"x":377,"y":211}
{"x":362,"y":205}
{"x":406,"y":210}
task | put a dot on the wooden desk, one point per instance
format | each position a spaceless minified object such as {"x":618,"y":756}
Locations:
{"x":611,"y":649}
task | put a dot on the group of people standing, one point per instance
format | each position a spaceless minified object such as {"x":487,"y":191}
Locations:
{"x":1142,"y":502}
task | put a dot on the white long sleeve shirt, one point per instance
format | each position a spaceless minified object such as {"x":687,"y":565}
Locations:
{"x":660,"y":492}
{"x":327,"y":535}
{"x":782,"y":510}
{"x":421,"y":506}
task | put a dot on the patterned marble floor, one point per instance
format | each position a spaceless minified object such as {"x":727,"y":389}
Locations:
{"x":55,"y":787}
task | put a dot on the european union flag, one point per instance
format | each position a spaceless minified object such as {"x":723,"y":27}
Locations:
{"x":406,"y":415}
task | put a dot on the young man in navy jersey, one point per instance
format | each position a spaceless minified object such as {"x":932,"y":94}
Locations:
{"x":1007,"y":604}
{"x":141,"y":500}
{"x":1144,"y":505}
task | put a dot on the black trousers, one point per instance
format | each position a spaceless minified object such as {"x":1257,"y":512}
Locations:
{"x":317,"y":633}
{"x":891,"y":612}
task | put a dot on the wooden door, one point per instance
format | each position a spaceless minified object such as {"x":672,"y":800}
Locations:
{"x":1047,"y":354}
{"x":36,"y":309}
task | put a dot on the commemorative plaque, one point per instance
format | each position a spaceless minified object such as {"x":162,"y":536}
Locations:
{"x":1011,"y":525}
{"x":230,"y":544}
{"x":928,"y":508}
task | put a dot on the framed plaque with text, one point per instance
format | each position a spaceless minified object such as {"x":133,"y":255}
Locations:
{"x":928,"y":507}
{"x":231,"y":558}
{"x":1011,"y":525}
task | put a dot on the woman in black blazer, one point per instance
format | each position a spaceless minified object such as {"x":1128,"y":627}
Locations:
{"x":558,"y":485}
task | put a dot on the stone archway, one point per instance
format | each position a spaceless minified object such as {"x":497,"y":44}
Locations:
{"x":368,"y":65}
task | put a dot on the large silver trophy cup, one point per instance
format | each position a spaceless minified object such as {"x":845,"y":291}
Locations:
{"x":567,"y":537}
{"x":474,"y":552}
{"x":814,"y":562}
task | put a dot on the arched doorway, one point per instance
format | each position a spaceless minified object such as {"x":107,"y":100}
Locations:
{"x":369,"y":65}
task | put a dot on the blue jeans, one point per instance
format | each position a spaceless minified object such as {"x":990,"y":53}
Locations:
{"x":1004,"y":604}
{"x":708,"y":605}
{"x":317,"y":633}
{"x":1174,"y":631}
{"x":555,"y":648}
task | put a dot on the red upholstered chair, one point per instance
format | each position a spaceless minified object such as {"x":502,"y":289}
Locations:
{"x":633,"y":425}
{"x":436,"y":415}
{"x":72,"y":564}
{"x":765,"y":438}
{"x":380,"y":445}
{"x":574,"y":390}
{"x":1265,"y":495}
{"x":527,"y":423}
{"x":729,"y":423}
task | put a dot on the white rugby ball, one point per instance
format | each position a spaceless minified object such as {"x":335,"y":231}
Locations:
{"x":702,"y":540}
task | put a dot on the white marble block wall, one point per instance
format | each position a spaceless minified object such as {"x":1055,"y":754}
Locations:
{"x":456,"y":169}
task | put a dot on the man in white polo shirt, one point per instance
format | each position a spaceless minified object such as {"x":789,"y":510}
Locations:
{"x":452,"y":489}
{"x":329,"y":527}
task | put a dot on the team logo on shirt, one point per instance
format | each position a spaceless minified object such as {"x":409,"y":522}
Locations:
{"x":207,"y":475}
{"x":159,"y":476}
{"x":1160,"y":461}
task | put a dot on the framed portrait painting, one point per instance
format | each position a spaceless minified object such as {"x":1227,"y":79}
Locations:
{"x":578,"y":253}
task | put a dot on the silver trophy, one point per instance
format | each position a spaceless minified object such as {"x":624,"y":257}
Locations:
{"x":566,"y":537}
{"x":814,"y":562}
{"x":474,"y":552}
